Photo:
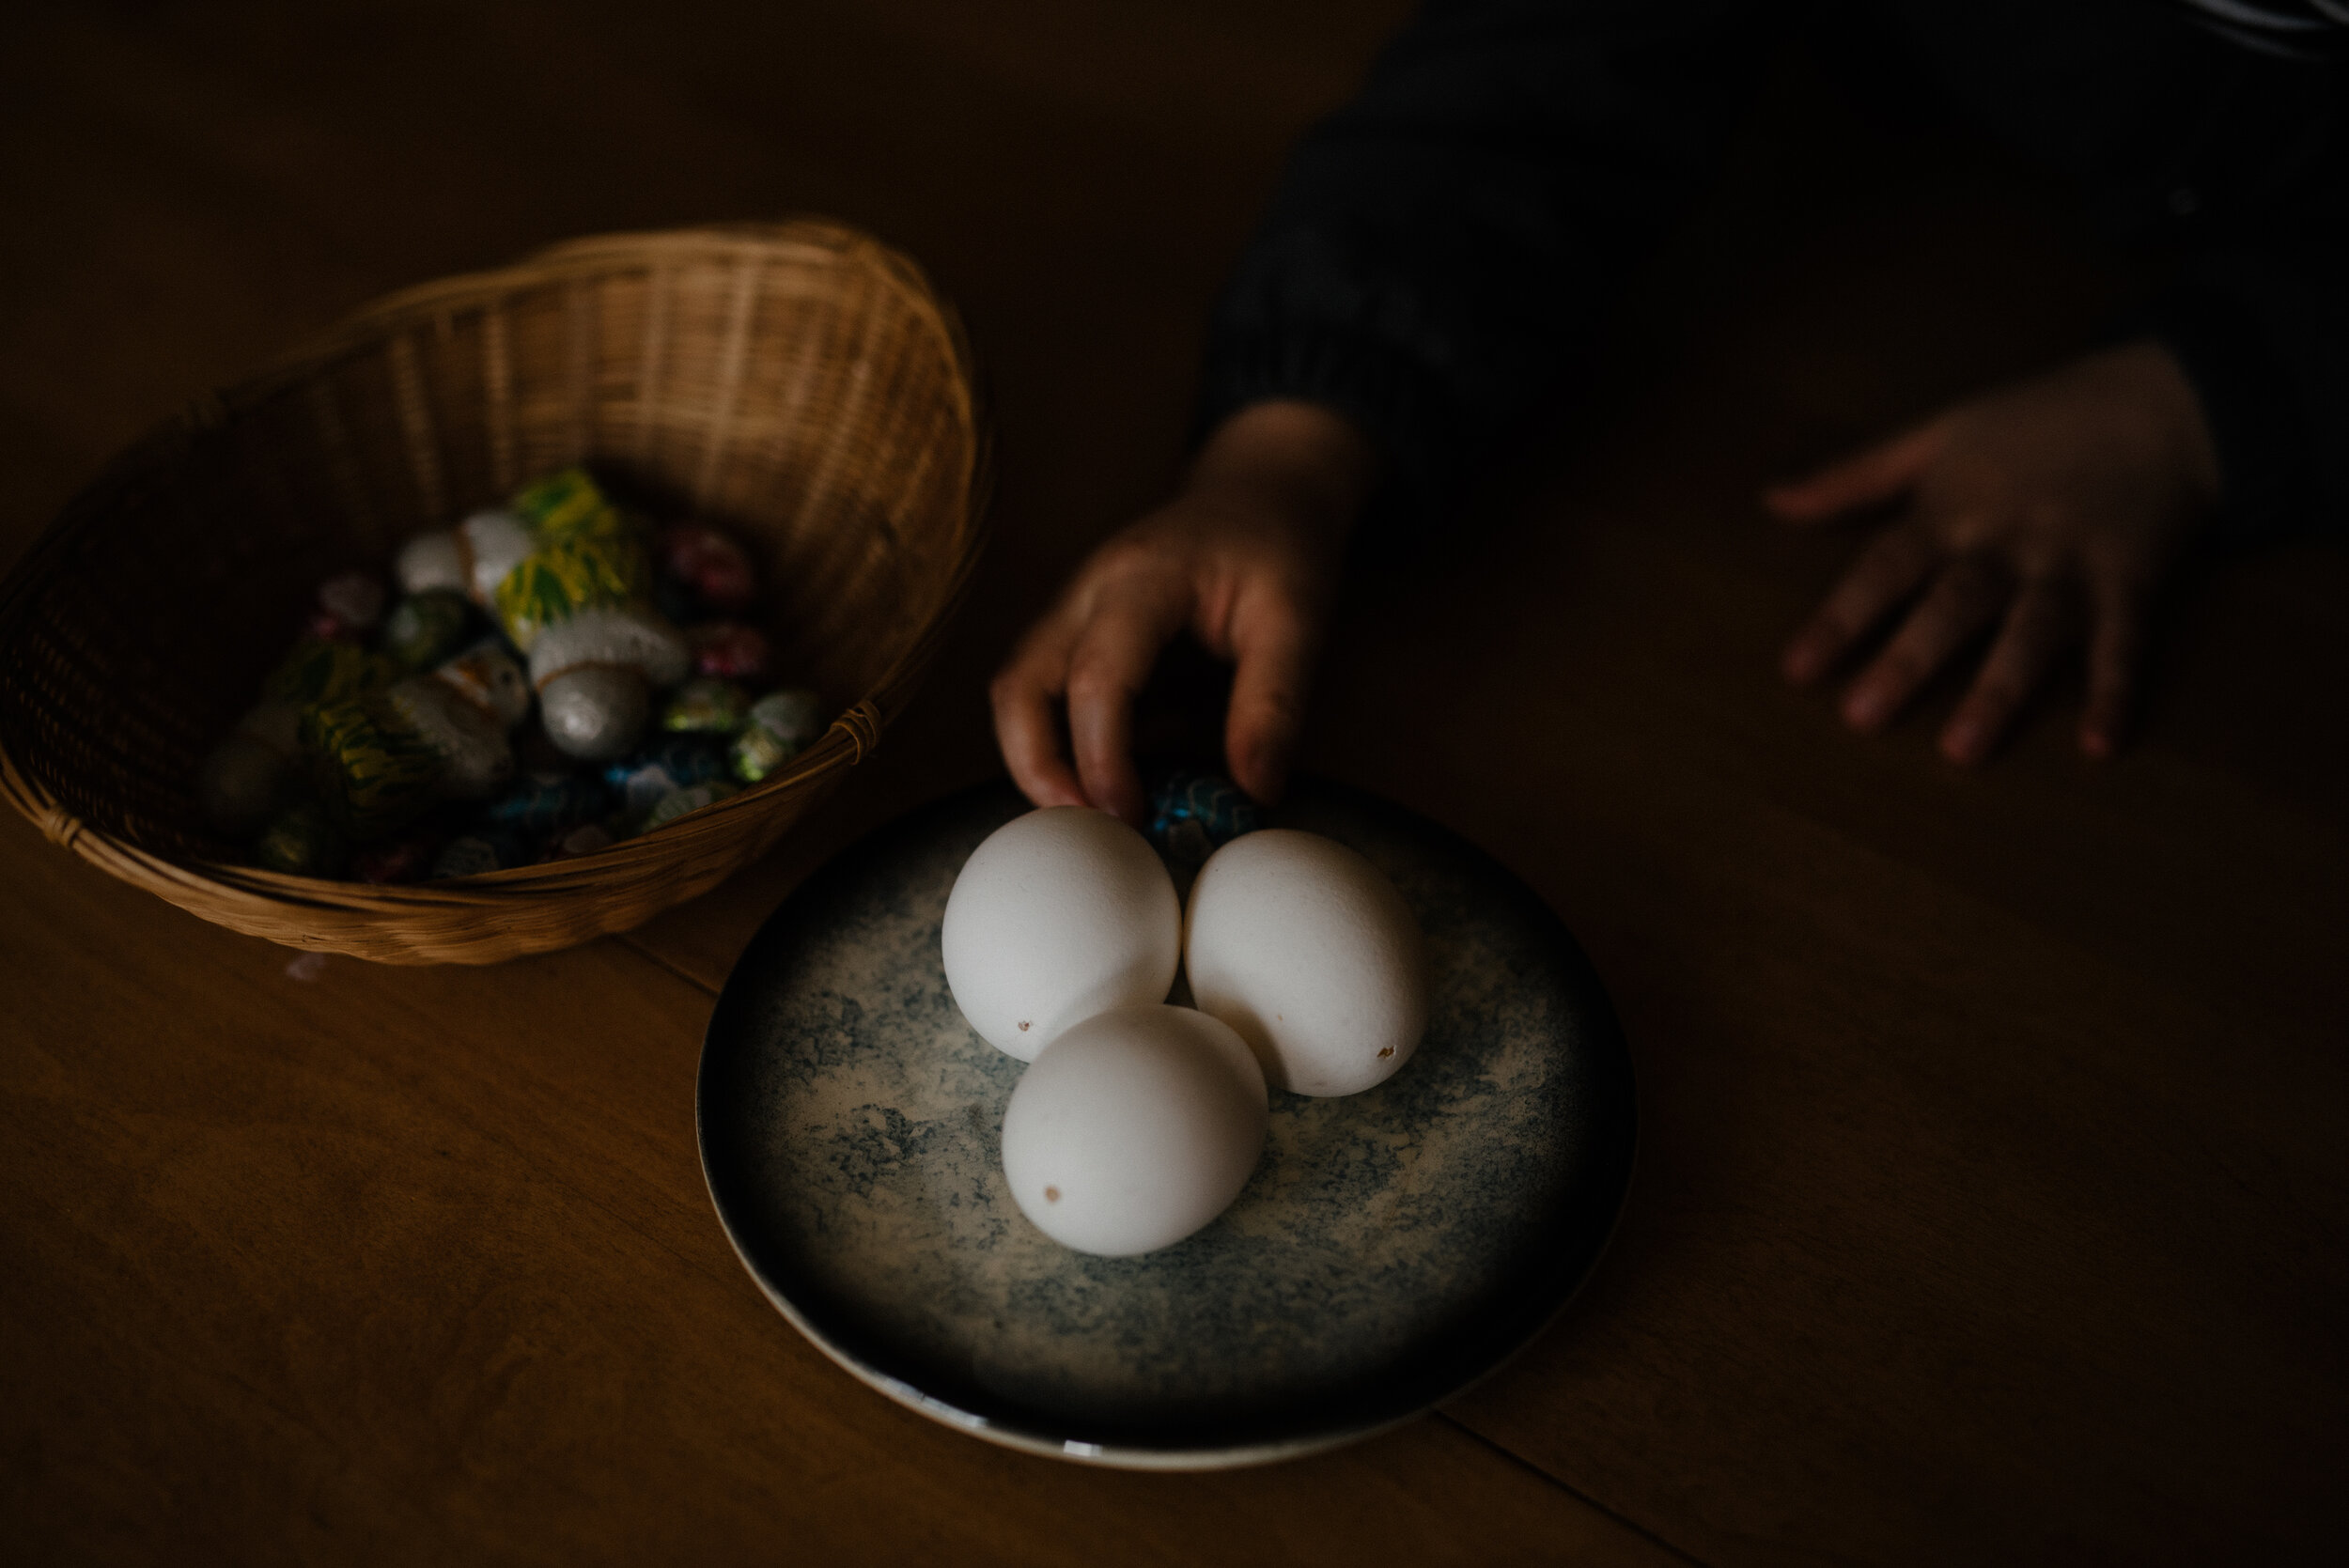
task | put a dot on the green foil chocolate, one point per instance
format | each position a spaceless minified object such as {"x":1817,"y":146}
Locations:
{"x":426,"y":629}
{"x":568,"y":506}
{"x":558,"y":581}
{"x":321,"y":671}
{"x":302,"y":841}
{"x":706,"y":706}
{"x":374,"y":771}
{"x":780,"y":726}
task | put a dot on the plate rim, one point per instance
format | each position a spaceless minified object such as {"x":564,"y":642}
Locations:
{"x":1140,"y":1456}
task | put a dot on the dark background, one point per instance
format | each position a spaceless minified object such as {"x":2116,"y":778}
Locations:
{"x":1991,"y":1202}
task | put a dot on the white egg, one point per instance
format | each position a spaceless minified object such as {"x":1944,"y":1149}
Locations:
{"x":1134,"y":1128}
{"x":1061,"y":914}
{"x":1307,"y":951}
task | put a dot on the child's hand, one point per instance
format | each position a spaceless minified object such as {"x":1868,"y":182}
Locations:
{"x":1245,"y":557}
{"x":2051,"y":509}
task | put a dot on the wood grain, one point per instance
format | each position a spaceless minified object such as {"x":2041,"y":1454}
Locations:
{"x":398,"y":1265}
{"x":1991,"y":1198}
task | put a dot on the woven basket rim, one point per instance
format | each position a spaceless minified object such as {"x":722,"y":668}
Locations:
{"x":851,"y":738}
{"x":817,"y":237}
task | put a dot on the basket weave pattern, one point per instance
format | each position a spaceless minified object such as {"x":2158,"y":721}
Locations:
{"x":797,"y":384}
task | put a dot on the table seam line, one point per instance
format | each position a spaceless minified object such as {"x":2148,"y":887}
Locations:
{"x":627,"y":940}
{"x":1577,"y":1493}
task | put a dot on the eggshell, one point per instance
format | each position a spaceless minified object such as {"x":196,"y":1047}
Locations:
{"x":1308,"y":952}
{"x":1061,"y":914}
{"x":1134,"y":1128}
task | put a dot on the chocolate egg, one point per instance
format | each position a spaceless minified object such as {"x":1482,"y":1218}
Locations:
{"x":678,"y":802}
{"x":302,"y":841}
{"x":779,"y":728}
{"x":426,"y":628}
{"x":705,"y":705}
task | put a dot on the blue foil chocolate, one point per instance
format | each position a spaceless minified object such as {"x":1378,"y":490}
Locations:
{"x":1206,"y":806}
{"x":643,"y":780}
{"x":1193,"y":815}
{"x":547,"y":804}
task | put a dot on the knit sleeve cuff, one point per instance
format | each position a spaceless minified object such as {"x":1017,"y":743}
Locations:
{"x":2268,"y":484}
{"x":1397,"y":404}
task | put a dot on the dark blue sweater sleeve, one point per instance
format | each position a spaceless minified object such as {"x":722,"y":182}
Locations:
{"x":2229,"y":162}
{"x":2260,"y":328}
{"x":1439,"y":249}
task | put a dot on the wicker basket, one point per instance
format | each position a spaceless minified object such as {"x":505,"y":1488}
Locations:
{"x":800,"y":383}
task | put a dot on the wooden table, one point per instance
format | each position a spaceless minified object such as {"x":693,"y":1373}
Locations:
{"x":1993,"y":1199}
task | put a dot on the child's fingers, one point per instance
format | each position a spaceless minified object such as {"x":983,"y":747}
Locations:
{"x":1966,"y":597}
{"x":1023,"y":694}
{"x":1107,"y":669}
{"x":1887,"y":572}
{"x":1273,"y":645}
{"x":2037,"y":630}
{"x":2114,"y":647}
{"x":1871,"y":477}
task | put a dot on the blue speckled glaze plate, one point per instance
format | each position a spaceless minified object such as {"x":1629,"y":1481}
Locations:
{"x":1392,"y":1246}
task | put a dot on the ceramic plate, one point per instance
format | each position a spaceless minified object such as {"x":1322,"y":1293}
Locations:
{"x":1392,"y":1246}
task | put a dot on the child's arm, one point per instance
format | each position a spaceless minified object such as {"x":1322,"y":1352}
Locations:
{"x":1244,"y":557}
{"x":1442,"y":250}
{"x":1436,"y":254}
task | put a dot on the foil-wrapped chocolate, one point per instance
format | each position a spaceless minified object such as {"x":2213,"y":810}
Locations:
{"x":596,"y":674}
{"x":426,"y":628}
{"x":711,"y":566}
{"x":483,"y":849}
{"x":676,"y":763}
{"x":1208,"y":803}
{"x":348,"y":608}
{"x":588,"y":838}
{"x":779,"y":728}
{"x":1192,"y":815}
{"x":407,"y":858}
{"x":728,"y":650}
{"x":322,"y":671}
{"x":556,"y":582}
{"x":382,"y":759}
{"x":249,"y":777}
{"x":678,"y":803}
{"x":567,"y":506}
{"x":302,"y":841}
{"x":373,"y":770}
{"x":540,"y":806}
{"x":705,"y":705}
